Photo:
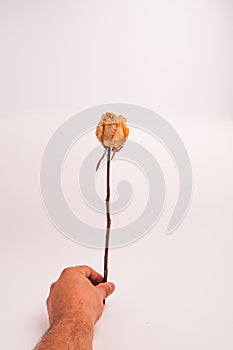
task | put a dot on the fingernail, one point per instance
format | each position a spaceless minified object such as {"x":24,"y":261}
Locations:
{"x":111,"y":287}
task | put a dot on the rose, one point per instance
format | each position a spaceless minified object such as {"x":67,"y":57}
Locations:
{"x":112,"y":131}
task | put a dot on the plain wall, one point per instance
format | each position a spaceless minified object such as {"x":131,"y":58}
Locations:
{"x":175,"y":57}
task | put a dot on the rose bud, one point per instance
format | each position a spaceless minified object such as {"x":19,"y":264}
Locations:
{"x":112,"y":132}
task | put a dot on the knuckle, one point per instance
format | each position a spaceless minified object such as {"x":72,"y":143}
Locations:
{"x":83,"y":267}
{"x":66,"y":271}
{"x":52,"y":286}
{"x":47,"y":301}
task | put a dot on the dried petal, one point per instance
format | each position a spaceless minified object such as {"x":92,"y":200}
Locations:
{"x":112,"y":131}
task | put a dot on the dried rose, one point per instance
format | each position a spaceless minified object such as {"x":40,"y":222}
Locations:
{"x":112,"y":131}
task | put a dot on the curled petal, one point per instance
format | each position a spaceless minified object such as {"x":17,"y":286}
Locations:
{"x":99,"y":132}
{"x":112,"y":131}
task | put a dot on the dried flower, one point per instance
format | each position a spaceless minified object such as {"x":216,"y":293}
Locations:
{"x":112,"y":131}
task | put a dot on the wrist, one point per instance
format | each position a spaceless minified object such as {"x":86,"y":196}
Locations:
{"x":75,"y":322}
{"x":68,"y":333}
{"x":78,"y":332}
{"x":73,"y":319}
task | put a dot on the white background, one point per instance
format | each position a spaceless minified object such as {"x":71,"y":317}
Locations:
{"x":175,"y":57}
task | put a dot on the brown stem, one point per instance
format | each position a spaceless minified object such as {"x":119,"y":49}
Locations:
{"x":107,"y":217}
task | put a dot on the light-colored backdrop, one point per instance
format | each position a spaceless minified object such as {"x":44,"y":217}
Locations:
{"x":59,"y":57}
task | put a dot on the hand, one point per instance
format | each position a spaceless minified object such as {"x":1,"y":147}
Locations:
{"x":78,"y":293}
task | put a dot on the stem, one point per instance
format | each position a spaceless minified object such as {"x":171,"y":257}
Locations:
{"x":107,"y":217}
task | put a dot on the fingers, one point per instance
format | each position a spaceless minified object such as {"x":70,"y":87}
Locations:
{"x":91,"y":274}
{"x":105,"y":289}
{"x":86,"y":271}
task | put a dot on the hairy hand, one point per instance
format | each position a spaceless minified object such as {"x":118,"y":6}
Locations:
{"x":78,"y":294}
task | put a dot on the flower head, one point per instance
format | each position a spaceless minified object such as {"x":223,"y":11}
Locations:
{"x":112,"y":131}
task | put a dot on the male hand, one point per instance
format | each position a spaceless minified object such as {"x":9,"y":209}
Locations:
{"x":78,"y":294}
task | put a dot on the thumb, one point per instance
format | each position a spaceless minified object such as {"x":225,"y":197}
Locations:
{"x":105,"y":289}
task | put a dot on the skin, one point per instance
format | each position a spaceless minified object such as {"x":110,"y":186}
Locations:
{"x":75,"y":304}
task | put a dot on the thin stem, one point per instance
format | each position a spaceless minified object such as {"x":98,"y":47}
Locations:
{"x":107,"y":217}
